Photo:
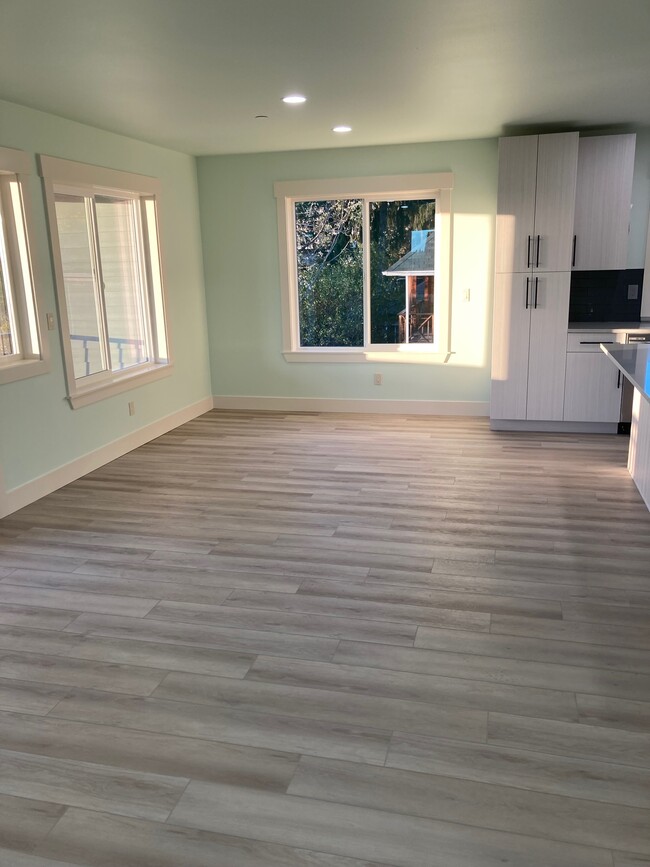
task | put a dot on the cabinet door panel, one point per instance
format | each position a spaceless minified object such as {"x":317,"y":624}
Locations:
{"x":548,"y":337}
{"x":591,"y":392}
{"x":510,"y":338}
{"x":557,"y":167}
{"x":603,"y":196}
{"x":515,"y":202}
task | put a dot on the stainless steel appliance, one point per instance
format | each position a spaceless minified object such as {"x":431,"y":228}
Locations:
{"x":627,"y":389}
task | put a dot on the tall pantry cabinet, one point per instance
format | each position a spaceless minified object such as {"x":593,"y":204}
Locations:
{"x":535,"y":211}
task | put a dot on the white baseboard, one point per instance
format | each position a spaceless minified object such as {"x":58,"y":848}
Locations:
{"x":589,"y":427}
{"x":351,"y":405}
{"x":28,"y":493}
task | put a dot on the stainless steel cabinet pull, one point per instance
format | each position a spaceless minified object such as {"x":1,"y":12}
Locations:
{"x":530,"y":238}
{"x":527,"y":285}
{"x":536,"y":288}
{"x":539,"y":241}
{"x":595,"y":342}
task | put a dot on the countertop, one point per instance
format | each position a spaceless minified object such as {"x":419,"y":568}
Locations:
{"x":634,"y":364}
{"x":624,"y":327}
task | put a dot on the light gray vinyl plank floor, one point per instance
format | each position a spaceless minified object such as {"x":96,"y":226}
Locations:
{"x":254,"y":641}
{"x":361,"y":832}
{"x":279,"y":620}
{"x":148,"y":752}
{"x":522,"y":768}
{"x":222,"y":723}
{"x":408,"y":686}
{"x":305,"y":640}
{"x":486,"y":805}
{"x":102,"y":840}
{"x":145,"y":654}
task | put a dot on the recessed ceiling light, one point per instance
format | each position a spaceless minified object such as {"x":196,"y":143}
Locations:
{"x":294,"y":99}
{"x":342,"y":128}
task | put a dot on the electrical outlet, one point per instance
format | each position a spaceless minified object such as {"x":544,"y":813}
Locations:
{"x":467,"y":294}
{"x":131,"y":407}
{"x":379,"y":379}
{"x":50,"y":322}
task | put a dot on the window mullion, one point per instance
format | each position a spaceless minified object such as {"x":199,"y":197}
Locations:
{"x":142,"y":232}
{"x":8,"y":271}
{"x":100,"y":299}
{"x":365,"y":228}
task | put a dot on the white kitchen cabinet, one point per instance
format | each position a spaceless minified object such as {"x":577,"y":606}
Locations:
{"x":535,"y":204}
{"x":603,"y":199}
{"x":592,"y":390}
{"x":549,"y":314}
{"x":529,"y":346}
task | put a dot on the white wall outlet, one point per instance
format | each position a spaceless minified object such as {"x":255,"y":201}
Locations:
{"x":131,"y":407}
{"x":378,"y":379}
{"x":468,"y":293}
{"x":50,"y":322}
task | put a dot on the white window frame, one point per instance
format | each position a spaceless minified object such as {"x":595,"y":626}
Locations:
{"x":32,"y":358}
{"x":89,"y":180}
{"x":436,"y":186}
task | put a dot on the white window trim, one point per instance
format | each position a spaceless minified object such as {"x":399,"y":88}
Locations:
{"x":18,"y":164}
{"x":435,"y":185}
{"x":97,"y":179}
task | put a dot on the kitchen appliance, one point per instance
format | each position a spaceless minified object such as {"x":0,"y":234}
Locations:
{"x":606,"y":296}
{"x":627,"y":388}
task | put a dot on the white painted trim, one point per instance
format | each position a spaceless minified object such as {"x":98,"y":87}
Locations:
{"x":28,"y":493}
{"x":404,"y":354}
{"x":133,"y":377}
{"x":381,"y":185}
{"x":24,"y":368}
{"x":351,"y":405}
{"x":588,"y":427}
{"x":105,"y":383}
{"x":433,"y":185}
{"x":59,"y":171}
{"x":15,"y":161}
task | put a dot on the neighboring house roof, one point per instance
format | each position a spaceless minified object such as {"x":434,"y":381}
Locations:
{"x":418,"y":262}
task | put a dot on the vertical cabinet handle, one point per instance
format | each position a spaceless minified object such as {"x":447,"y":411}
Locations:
{"x":536,"y":289}
{"x":527,"y":285}
{"x":530,"y":238}
{"x":539,"y":241}
{"x":573,"y":254}
{"x":618,"y":380}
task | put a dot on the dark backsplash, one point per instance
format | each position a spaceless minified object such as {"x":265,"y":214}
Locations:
{"x":604,"y":296}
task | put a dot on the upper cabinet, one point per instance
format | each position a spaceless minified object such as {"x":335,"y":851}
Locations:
{"x":603,"y":198}
{"x":536,"y":199}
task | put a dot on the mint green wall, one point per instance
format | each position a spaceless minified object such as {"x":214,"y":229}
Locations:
{"x":38,"y":430}
{"x":240,"y":248}
{"x":239,"y":226}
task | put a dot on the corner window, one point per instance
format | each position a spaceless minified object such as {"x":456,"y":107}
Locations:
{"x":365,"y":275}
{"x":104,"y":231}
{"x":20,"y":338}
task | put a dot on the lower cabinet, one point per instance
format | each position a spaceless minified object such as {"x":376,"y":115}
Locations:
{"x":529,"y":346}
{"x":592,"y":388}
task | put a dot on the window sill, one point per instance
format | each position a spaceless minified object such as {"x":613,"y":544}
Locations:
{"x":23,"y":369}
{"x":127,"y":381}
{"x":406,"y":355}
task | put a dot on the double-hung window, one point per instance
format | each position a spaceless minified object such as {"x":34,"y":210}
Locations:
{"x":21,"y":352}
{"x":106,"y":251}
{"x":365,"y":268}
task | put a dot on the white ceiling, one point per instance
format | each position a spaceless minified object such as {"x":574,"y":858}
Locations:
{"x":192,"y":74}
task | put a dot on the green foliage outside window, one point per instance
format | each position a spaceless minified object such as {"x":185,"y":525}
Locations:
{"x":329,"y":250}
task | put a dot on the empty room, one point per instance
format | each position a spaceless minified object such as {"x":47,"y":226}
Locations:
{"x":324,"y":433}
